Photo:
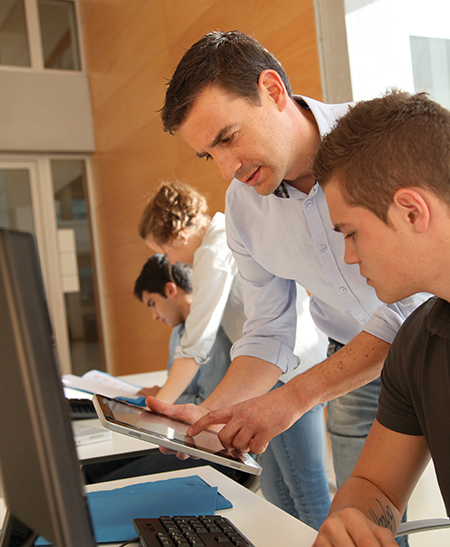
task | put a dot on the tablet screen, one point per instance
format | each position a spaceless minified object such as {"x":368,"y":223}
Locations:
{"x":169,"y":432}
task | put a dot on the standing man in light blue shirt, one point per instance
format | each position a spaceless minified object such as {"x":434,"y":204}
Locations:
{"x":239,"y":110}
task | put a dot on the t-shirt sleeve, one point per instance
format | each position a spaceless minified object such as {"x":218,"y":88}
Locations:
{"x":396,"y":409}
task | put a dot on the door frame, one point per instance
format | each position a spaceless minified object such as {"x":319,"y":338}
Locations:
{"x":45,"y":226}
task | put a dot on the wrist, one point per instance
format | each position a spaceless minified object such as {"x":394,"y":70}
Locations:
{"x":301,"y":394}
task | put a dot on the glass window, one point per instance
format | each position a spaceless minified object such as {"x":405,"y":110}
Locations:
{"x":15,"y":200}
{"x":76,"y":264}
{"x":59,"y":34}
{"x":398,"y":43}
{"x":431,"y":67}
{"x":13,"y":34}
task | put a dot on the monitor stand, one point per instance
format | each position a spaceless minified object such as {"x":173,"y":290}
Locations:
{"x":16,"y":534}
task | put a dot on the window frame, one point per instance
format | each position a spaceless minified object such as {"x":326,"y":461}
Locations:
{"x":35,"y":50}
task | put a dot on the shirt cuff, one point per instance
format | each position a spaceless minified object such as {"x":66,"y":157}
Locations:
{"x":267,"y":349}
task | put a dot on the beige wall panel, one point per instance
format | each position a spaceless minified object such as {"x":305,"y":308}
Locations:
{"x":145,"y":157}
{"x":121,"y":225}
{"x":140,"y":357}
{"x":259,"y":18}
{"x":180,"y":16}
{"x":303,"y":70}
{"x":121,"y":41}
{"x":134,"y":106}
{"x":140,"y":341}
{"x":124,"y":265}
{"x":132,"y":48}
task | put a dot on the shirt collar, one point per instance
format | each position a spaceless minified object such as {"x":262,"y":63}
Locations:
{"x":438,"y":320}
{"x":281,"y":191}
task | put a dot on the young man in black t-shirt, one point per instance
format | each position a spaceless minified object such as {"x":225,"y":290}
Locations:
{"x":385,"y":170}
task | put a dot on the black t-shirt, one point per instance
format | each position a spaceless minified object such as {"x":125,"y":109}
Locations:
{"x":415,"y":392}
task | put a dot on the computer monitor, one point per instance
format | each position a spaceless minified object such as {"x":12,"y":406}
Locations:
{"x":39,"y":468}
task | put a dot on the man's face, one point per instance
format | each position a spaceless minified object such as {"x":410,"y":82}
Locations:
{"x":379,"y":249}
{"x":252,"y":143}
{"x":163,"y":309}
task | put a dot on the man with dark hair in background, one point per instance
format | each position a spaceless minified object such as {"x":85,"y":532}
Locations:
{"x":167,"y":291}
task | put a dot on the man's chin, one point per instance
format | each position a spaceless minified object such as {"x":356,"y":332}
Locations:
{"x":386,"y":296}
{"x":265,"y":189}
{"x":262,"y":191}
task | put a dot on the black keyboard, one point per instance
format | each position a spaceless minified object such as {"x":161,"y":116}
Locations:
{"x":204,"y":531}
{"x":81,"y":409}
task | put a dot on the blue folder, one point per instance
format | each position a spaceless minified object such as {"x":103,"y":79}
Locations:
{"x":113,"y":510}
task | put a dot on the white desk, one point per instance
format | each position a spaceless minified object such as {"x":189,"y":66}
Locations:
{"x":120,"y":445}
{"x":264,"y":524}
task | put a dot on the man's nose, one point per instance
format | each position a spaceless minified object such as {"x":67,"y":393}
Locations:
{"x":350,"y":256}
{"x":228,"y":163}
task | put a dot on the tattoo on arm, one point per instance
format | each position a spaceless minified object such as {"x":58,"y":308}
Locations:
{"x":383,"y":516}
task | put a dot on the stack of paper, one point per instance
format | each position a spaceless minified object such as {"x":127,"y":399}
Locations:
{"x":96,"y":381}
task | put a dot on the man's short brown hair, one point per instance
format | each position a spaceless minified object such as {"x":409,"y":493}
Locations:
{"x":231,"y":60}
{"x":395,"y":141}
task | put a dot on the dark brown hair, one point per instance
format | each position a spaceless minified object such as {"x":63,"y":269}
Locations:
{"x":157,"y":272}
{"x":231,"y":60}
{"x":174,"y":207}
{"x":395,"y":141}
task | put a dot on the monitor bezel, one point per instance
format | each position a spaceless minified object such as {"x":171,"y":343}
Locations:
{"x":40,"y":472}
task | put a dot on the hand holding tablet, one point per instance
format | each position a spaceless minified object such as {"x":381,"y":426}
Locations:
{"x":169,"y":433}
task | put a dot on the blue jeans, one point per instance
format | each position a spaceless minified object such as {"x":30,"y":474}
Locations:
{"x":293,"y":476}
{"x":350,"y":418}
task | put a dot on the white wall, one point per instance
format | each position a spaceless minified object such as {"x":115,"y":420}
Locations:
{"x":45,"y":112}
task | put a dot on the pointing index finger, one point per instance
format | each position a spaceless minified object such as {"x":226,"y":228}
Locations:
{"x":212,"y":418}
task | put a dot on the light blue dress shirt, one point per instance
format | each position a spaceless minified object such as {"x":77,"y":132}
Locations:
{"x":279,"y":241}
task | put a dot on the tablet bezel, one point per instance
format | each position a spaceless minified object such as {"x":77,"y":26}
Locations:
{"x":108,"y":420}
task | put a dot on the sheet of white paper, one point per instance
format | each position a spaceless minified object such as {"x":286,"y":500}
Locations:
{"x":95,"y":381}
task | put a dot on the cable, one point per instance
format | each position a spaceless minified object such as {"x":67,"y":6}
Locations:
{"x":130,"y":541}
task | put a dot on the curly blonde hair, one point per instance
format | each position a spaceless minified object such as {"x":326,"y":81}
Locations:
{"x":174,"y":207}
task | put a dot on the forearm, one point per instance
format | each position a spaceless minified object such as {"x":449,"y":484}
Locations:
{"x":361,"y":494}
{"x":356,"y":364}
{"x":367,"y":509}
{"x":247,"y":377}
{"x":180,"y":376}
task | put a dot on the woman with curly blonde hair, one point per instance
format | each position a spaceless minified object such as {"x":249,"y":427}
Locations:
{"x":175,"y":222}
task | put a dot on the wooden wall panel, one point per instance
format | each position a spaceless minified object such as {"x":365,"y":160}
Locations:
{"x":132,"y":47}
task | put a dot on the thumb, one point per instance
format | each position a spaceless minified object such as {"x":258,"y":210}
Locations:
{"x":160,"y":406}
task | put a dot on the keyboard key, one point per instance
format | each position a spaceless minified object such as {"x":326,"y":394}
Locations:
{"x":203,"y":531}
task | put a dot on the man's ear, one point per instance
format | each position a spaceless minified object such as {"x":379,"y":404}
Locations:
{"x":412,"y":206}
{"x":270,"y":83}
{"x":171,"y":290}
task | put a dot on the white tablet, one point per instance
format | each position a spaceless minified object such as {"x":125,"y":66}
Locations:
{"x":149,"y":426}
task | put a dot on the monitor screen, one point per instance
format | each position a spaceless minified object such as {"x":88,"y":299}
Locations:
{"x":39,"y":468}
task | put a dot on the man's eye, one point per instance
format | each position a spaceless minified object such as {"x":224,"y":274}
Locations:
{"x":351,"y":235}
{"x":150,"y":304}
{"x":208,"y":157}
{"x":228,"y":140}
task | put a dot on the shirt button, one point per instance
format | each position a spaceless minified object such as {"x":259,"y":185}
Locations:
{"x":309,"y":203}
{"x":343,"y":289}
{"x":323,"y":248}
